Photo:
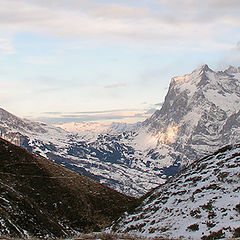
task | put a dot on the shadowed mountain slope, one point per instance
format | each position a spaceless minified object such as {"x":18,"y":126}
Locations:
{"x":42,"y":199}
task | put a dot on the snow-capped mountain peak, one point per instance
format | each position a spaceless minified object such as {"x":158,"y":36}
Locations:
{"x":91,"y":130}
{"x":232,"y":70}
{"x":200,"y":114}
{"x":204,"y":79}
{"x":197,"y":105}
{"x":203,"y":69}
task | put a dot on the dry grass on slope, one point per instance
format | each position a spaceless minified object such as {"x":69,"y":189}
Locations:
{"x":44,"y":199}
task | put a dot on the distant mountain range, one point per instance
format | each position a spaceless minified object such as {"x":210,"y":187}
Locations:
{"x":200,"y":202}
{"x":90,"y":130}
{"x":39,"y":198}
{"x":201,"y":113}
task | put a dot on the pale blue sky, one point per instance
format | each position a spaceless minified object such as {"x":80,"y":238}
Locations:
{"x":75,"y":60}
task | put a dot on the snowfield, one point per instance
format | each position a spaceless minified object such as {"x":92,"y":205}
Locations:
{"x":201,"y":201}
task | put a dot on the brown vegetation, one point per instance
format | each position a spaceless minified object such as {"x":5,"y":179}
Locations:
{"x":45,"y":199}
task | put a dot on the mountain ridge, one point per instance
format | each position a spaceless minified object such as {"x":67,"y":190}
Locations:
{"x":193,"y":101}
{"x":200,"y":202}
{"x":200,"y":114}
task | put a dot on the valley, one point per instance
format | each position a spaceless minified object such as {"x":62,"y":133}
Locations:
{"x":173,"y":176}
{"x":199,"y":115}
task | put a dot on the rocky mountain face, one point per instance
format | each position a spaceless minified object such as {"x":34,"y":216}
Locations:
{"x":39,"y":198}
{"x":200,"y":202}
{"x":201,"y":113}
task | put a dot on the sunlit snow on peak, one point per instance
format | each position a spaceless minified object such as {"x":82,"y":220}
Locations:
{"x":169,"y":135}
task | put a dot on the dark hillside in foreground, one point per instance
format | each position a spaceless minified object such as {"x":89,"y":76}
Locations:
{"x":42,"y":199}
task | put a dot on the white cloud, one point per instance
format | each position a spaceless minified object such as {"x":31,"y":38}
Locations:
{"x":232,"y":57}
{"x":116,"y":85}
{"x":8,"y":90}
{"x":6,"y":46}
{"x":128,"y":115}
{"x":238,"y":45}
{"x":170,"y":22}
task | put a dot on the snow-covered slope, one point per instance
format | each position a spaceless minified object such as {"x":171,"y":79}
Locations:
{"x":30,"y":134}
{"x":201,"y":113}
{"x":201,"y":202}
